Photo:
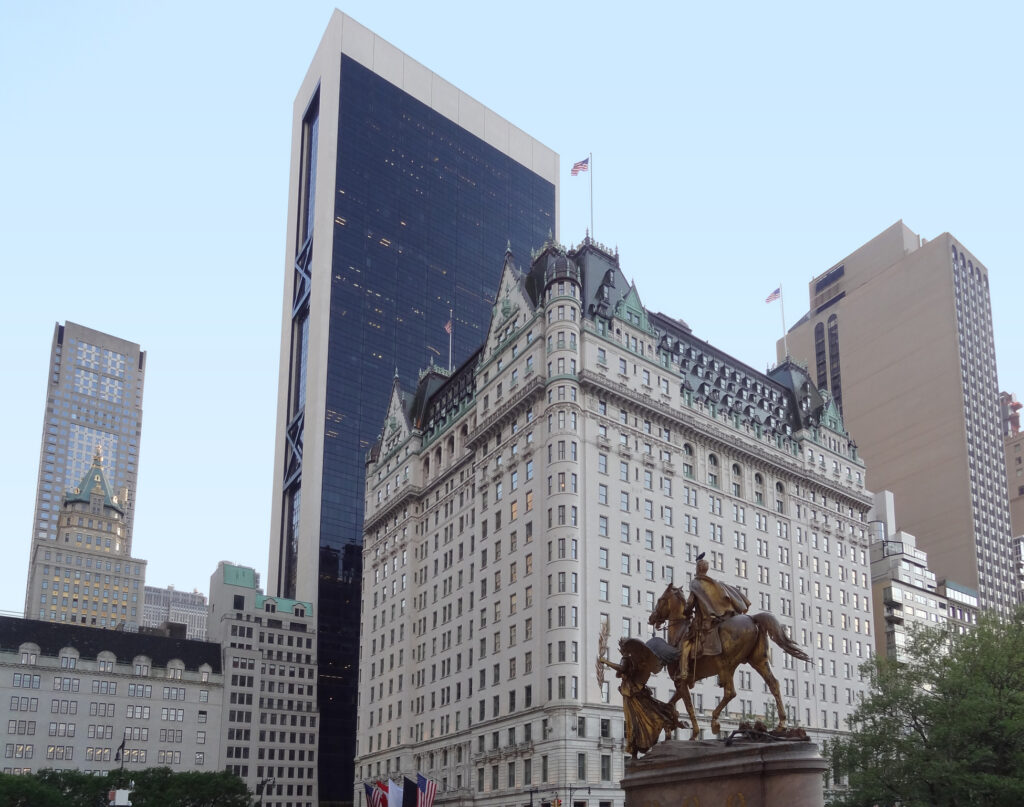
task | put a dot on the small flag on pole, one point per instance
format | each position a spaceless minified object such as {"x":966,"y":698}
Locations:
{"x":426,"y":790}
{"x":582,"y":165}
{"x":120,"y":751}
{"x":448,"y":327}
{"x":775,"y":295}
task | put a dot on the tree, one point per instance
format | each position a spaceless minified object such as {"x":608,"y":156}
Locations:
{"x":942,"y":727}
{"x":28,"y":791}
{"x":159,"y":787}
{"x":153,"y":787}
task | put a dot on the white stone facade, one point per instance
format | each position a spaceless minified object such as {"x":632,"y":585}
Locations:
{"x":170,"y":605}
{"x":550,"y":490}
{"x":70,"y":694}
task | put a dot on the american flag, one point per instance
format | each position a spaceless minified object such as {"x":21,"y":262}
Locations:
{"x":426,"y":789}
{"x":582,"y":165}
{"x":448,"y":327}
{"x":372,"y":795}
{"x":775,"y":295}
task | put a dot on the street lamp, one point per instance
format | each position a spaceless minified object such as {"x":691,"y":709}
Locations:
{"x":261,"y":786}
{"x":574,"y":789}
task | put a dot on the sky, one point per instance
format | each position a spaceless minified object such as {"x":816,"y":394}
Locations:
{"x":144,"y":157}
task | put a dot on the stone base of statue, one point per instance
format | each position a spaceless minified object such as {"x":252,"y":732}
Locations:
{"x":745,"y":773}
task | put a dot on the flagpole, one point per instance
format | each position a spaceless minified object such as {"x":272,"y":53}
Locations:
{"x":451,"y":328}
{"x":782,"y":309}
{"x":590,"y":158}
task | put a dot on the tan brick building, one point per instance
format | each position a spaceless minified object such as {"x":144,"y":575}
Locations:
{"x":900,"y":331}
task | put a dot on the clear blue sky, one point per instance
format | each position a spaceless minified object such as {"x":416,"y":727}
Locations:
{"x":144,"y":155}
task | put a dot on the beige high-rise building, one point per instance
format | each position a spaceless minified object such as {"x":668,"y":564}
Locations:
{"x":87,"y":576}
{"x":93,"y":400}
{"x":1013,"y":445}
{"x":900,"y":331}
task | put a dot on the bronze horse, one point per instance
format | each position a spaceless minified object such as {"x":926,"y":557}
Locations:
{"x":744,"y":640}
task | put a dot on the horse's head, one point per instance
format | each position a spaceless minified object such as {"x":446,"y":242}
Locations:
{"x":663,"y":607}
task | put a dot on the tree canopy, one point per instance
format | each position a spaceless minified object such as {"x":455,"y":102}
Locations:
{"x":942,"y":727}
{"x":153,"y":787}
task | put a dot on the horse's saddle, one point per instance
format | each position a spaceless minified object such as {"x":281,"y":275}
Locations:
{"x":712,"y":643}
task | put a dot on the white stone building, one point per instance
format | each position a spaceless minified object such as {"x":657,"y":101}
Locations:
{"x":182,"y":607}
{"x":69,"y":694}
{"x":546,"y":493}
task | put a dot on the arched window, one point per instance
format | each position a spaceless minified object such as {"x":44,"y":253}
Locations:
{"x":68,"y":658}
{"x":713,"y":470}
{"x":836,"y":384}
{"x":29,"y":652}
{"x":780,"y":498}
{"x":141,"y":665}
{"x":819,"y":355}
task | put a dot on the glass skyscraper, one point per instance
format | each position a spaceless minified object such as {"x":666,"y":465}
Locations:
{"x":405,"y":194}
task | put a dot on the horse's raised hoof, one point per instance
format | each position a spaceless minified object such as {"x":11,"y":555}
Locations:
{"x":716,"y":727}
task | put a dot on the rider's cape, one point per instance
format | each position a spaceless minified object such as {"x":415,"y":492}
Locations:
{"x":718,"y":599}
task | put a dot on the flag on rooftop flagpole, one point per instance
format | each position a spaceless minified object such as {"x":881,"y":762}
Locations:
{"x":775,"y":295}
{"x":426,"y":790}
{"x":448,"y":327}
{"x":582,"y":165}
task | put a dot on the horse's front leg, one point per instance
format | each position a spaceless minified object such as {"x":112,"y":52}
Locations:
{"x":683,"y":691}
{"x":675,"y":671}
{"x":728,"y":693}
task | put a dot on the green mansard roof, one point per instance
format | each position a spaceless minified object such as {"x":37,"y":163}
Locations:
{"x":94,"y":478}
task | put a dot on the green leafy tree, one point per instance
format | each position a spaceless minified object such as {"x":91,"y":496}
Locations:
{"x":943,"y":727}
{"x":152,"y":787}
{"x":159,"y":787}
{"x":28,"y":791}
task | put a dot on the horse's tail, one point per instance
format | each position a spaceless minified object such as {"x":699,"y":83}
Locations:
{"x":770,"y":626}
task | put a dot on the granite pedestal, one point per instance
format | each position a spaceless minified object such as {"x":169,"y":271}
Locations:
{"x":712,"y":774}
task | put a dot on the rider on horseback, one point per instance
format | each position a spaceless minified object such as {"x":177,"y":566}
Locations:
{"x":709,"y":603}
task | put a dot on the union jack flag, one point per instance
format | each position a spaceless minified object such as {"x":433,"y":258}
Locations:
{"x":582,"y":165}
{"x":426,"y":790}
{"x":775,"y":295}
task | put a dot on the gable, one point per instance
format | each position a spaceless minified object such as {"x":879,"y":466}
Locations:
{"x":512,"y":307}
{"x":632,"y":310}
{"x":396,"y":423}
